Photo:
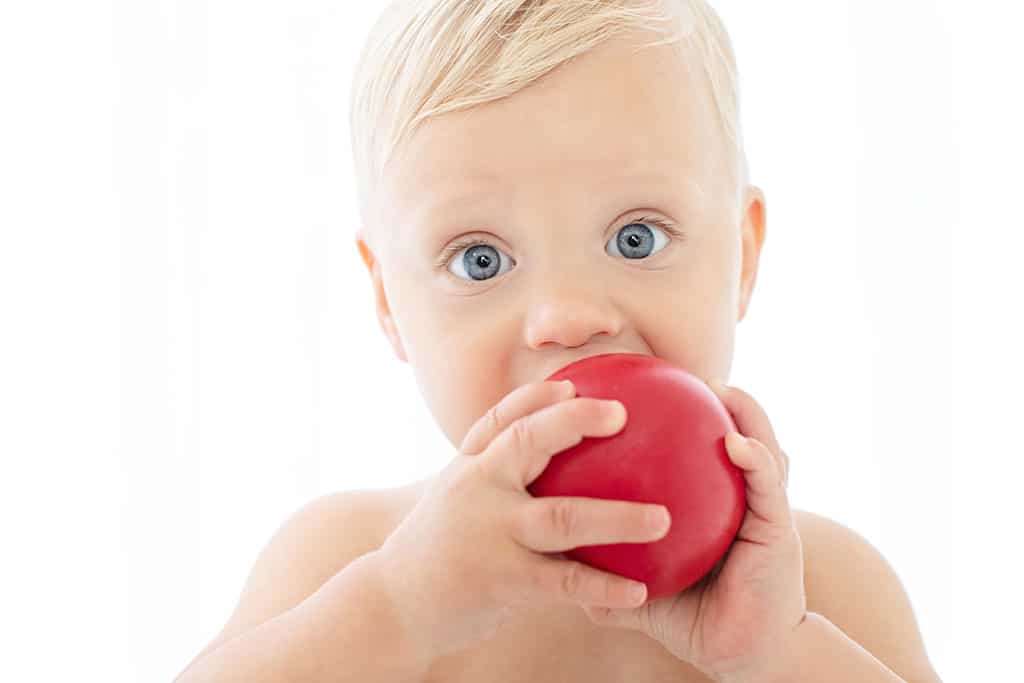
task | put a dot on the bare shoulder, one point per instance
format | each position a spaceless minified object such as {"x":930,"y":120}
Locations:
{"x":850,"y":582}
{"x":327,"y":533}
{"x":826,"y":543}
{"x":828,"y":549}
{"x":314,"y":543}
{"x":358,"y":521}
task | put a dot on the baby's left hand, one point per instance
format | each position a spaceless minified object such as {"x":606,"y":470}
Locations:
{"x":740,"y":616}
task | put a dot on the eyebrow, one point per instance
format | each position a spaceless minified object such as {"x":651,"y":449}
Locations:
{"x":427,"y":209}
{"x":483,"y":185}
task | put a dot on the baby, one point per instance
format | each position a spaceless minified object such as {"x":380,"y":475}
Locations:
{"x":544,"y":181}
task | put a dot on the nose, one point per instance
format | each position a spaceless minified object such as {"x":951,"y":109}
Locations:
{"x":568,"y":314}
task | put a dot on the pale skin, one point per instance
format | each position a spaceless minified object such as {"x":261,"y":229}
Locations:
{"x":547,"y":179}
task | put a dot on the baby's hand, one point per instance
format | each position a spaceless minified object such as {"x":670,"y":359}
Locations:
{"x":478,"y":546}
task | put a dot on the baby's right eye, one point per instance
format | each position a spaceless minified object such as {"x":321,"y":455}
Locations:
{"x":479,"y":261}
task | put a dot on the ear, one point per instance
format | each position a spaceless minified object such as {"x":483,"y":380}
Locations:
{"x":384,"y":317}
{"x":752,"y":233}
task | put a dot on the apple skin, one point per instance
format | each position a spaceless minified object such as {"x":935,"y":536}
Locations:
{"x":671,"y":451}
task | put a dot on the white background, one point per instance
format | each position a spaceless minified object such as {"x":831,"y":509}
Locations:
{"x":188,"y":349}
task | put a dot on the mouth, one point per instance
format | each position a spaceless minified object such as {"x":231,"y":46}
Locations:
{"x":595,"y":352}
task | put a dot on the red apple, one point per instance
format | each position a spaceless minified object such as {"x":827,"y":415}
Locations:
{"x":671,"y":452}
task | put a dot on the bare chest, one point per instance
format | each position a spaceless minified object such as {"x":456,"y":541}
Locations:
{"x":563,"y":646}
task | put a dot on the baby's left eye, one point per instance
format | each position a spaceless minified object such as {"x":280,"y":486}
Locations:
{"x":636,"y":241}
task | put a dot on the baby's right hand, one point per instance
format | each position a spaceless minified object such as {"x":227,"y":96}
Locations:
{"x":477,"y":545}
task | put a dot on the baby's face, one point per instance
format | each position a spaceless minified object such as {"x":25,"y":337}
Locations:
{"x":563,"y":187}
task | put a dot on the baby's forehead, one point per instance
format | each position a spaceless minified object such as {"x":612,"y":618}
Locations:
{"x":594,"y":132}
{"x":440,"y":178}
{"x":454,"y":160}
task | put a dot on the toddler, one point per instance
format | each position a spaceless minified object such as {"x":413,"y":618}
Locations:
{"x":540,"y":182}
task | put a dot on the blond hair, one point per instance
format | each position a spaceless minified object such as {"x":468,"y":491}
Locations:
{"x":424,"y":58}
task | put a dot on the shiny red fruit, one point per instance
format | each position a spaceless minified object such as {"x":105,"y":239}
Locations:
{"x":671,"y":452}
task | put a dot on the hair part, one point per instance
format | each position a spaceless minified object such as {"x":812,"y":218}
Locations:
{"x":424,"y":58}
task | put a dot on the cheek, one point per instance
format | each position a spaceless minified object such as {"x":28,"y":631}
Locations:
{"x":694,"y":329}
{"x":464,"y":375}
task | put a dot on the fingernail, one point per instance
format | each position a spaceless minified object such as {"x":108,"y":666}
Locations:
{"x":637,"y":592}
{"x":658,"y":517}
{"x":736,"y":439}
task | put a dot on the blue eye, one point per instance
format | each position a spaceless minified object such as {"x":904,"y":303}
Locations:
{"x":479,"y":261}
{"x":476,"y":260}
{"x":637,"y":241}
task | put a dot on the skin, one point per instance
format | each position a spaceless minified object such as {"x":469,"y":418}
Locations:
{"x":548,"y":177}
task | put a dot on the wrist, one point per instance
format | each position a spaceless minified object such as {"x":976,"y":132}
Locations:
{"x":407,"y":629}
{"x":353,"y":624}
{"x":779,"y":665}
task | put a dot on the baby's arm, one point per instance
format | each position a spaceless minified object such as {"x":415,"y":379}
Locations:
{"x":312,"y":608}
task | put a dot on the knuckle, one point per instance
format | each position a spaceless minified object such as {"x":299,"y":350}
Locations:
{"x":564,"y":518}
{"x":492,"y":418}
{"x":572,"y":579}
{"x":522,"y":432}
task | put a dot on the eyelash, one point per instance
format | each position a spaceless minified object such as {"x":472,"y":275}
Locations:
{"x":450,"y":251}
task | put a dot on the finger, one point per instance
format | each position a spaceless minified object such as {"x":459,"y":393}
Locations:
{"x":766,"y":495}
{"x":558,"y":523}
{"x":522,"y":451}
{"x":574,"y":582}
{"x":521,"y":401}
{"x":632,"y":618}
{"x":751,"y":420}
